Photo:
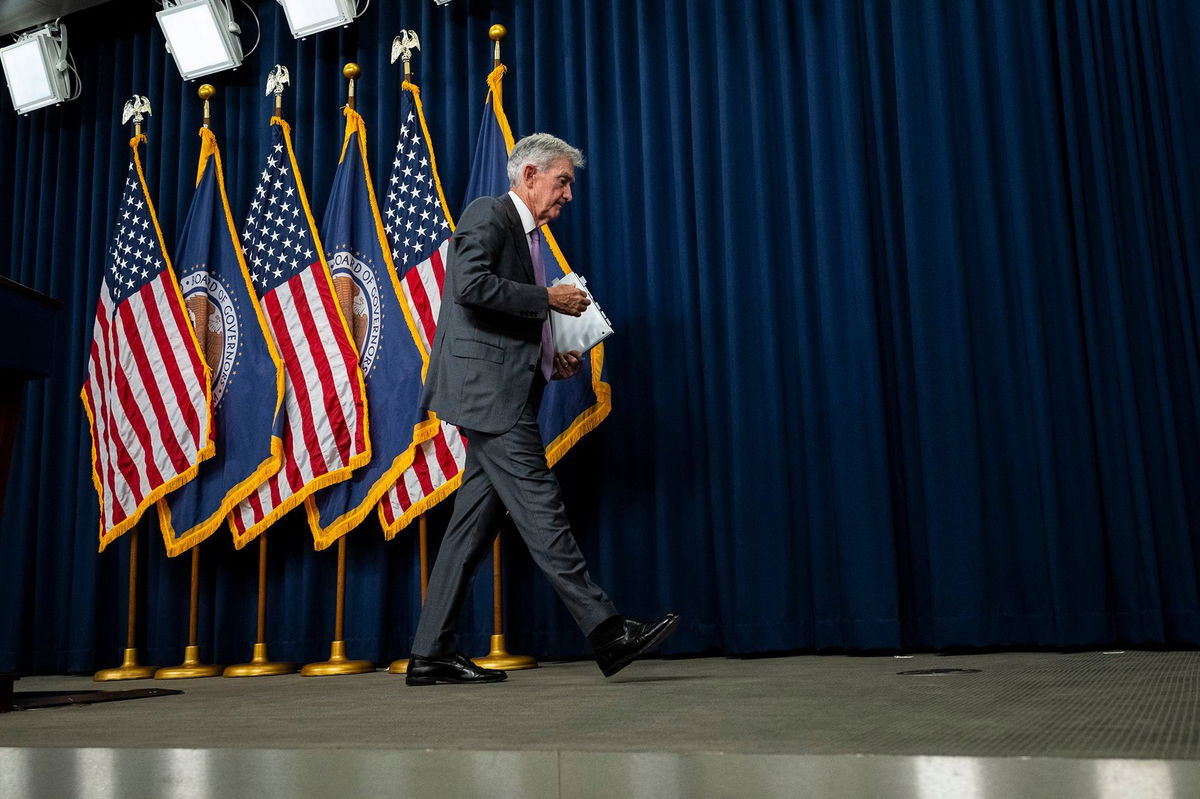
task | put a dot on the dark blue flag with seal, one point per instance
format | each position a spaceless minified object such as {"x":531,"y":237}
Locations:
{"x":570,"y":408}
{"x":387,"y":338}
{"x":247,"y":375}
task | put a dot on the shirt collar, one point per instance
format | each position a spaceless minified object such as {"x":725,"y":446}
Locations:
{"x":523,"y":212}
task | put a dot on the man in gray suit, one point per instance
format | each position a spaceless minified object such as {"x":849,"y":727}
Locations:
{"x":492,"y":357}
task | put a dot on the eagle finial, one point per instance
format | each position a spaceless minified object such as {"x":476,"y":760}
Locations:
{"x":136,"y":108}
{"x":404,"y":44}
{"x":277,"y":80}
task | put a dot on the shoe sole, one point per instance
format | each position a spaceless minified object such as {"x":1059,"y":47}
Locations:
{"x":653,"y":642}
{"x":436,"y":680}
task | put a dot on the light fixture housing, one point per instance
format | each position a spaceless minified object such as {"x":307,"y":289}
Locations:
{"x":35,"y":68}
{"x":201,"y":36}
{"x":306,"y":17}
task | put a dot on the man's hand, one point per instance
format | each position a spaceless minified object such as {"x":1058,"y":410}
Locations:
{"x":567,"y":364}
{"x":568,"y":299}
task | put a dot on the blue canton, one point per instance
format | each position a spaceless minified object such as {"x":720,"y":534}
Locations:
{"x":277,"y":241}
{"x":135,"y":257}
{"x":413,"y":215}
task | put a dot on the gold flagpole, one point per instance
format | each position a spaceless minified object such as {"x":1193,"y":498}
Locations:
{"x":191,"y":665}
{"x":499,"y":658}
{"x":402,"y":47}
{"x":129,"y":669}
{"x":260,"y":665}
{"x":338,"y":663}
{"x":401,"y":666}
{"x":423,"y":543}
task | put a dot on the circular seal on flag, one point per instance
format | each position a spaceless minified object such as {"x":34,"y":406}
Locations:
{"x":214,"y":318}
{"x":366,"y":315}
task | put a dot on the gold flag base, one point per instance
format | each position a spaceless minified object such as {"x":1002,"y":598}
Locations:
{"x":128,"y":670}
{"x":190,"y":667}
{"x":399,"y":666}
{"x":259,"y":665}
{"x":337,"y":664}
{"x":499,"y":658}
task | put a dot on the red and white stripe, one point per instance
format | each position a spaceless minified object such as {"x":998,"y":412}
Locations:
{"x":147,"y":392}
{"x":440,"y":459}
{"x":324,"y":405}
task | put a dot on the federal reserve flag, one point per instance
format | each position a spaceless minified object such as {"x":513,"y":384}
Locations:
{"x":146,"y":393}
{"x":419,"y":227}
{"x":384,"y":330}
{"x":325,"y":407}
{"x":570,"y":408}
{"x":247,"y":376}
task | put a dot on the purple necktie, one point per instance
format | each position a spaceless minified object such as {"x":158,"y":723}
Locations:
{"x":539,"y":274}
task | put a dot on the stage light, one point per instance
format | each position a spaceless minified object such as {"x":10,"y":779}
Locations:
{"x":201,"y":35}
{"x":310,"y":16}
{"x":36,"y":68}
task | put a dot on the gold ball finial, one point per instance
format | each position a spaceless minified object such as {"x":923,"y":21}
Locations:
{"x":497,"y":32}
{"x":206,"y":91}
{"x":351,"y":71}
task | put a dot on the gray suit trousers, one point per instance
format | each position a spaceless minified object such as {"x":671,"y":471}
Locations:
{"x":506,"y":471}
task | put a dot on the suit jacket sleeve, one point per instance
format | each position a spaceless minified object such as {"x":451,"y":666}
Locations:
{"x":479,"y":240}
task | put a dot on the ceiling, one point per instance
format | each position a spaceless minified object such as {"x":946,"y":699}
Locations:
{"x":17,"y":15}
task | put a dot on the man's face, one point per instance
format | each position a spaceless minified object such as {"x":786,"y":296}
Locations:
{"x":548,"y":190}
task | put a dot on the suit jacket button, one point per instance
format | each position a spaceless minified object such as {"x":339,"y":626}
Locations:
{"x":532,"y":368}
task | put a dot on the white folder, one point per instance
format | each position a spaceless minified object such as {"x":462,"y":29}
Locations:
{"x":579,"y":333}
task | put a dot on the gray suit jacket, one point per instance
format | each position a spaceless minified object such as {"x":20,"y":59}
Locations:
{"x":488,"y":341}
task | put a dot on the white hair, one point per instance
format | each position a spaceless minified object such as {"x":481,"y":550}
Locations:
{"x":541,"y":150}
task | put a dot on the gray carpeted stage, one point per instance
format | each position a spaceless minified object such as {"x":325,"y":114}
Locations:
{"x":1025,"y":725}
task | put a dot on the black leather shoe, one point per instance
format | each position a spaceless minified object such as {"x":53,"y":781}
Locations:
{"x":456,"y":669}
{"x":631,"y":641}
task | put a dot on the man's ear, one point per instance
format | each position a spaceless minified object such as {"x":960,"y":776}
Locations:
{"x":527,"y":173}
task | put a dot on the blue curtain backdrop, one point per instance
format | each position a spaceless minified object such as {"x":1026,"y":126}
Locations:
{"x":906,"y":298}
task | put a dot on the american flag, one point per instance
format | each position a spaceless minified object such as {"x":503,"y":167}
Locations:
{"x":418,"y":229}
{"x":325,"y":435}
{"x":147,"y":391}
